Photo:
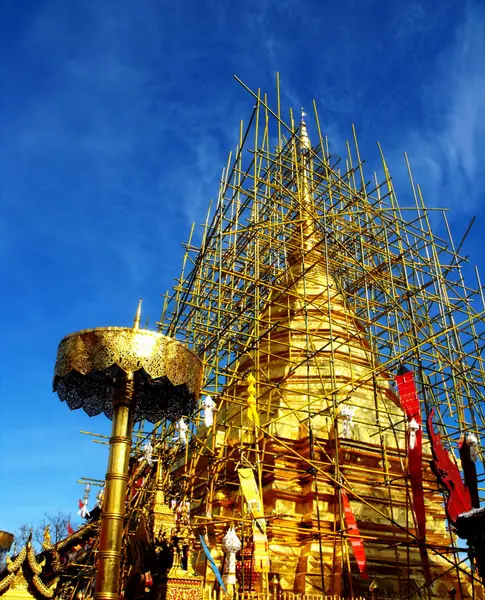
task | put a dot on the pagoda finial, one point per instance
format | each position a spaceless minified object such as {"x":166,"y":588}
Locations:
{"x":305,"y":175}
{"x":136,"y":322}
{"x":304,"y":139}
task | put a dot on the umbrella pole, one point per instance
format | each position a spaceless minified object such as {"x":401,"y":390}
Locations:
{"x":107,"y":586}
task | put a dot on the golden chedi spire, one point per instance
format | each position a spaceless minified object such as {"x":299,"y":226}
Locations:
{"x":136,"y":321}
{"x":305,"y":179}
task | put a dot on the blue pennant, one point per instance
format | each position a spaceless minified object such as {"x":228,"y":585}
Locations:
{"x":213,"y":565}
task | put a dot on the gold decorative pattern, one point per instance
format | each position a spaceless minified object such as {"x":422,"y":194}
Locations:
{"x":46,"y":590}
{"x":78,"y":535}
{"x":91,"y":363}
{"x":34,"y":565}
{"x":130,"y":349}
{"x":182,"y":588}
{"x":16,"y":578}
{"x":14,"y":565}
{"x":6,"y":581}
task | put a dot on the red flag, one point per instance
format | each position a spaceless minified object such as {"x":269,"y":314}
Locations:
{"x":355,"y":539}
{"x":408,"y":396}
{"x":80,"y":504}
{"x":70,"y":530}
{"x":410,"y":405}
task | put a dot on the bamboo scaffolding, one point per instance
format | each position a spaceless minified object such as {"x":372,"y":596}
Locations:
{"x":402,"y":277}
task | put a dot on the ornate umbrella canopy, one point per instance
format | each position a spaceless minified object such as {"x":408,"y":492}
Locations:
{"x":91,"y":364}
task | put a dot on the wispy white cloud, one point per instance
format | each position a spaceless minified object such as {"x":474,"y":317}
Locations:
{"x":447,"y":151}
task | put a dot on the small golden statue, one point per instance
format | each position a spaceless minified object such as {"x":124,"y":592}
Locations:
{"x":46,"y":541}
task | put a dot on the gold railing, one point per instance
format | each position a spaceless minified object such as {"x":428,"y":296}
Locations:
{"x":293,"y":596}
{"x":286,"y":596}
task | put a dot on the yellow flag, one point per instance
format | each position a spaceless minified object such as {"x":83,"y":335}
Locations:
{"x":252,"y":410}
{"x":251,"y":494}
{"x":250,"y":491}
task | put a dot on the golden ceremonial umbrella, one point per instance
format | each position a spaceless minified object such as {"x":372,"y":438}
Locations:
{"x":130,"y":374}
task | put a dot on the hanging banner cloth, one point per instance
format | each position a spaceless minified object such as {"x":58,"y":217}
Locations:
{"x":251,"y":494}
{"x":410,"y":405}
{"x":458,"y":497}
{"x":354,"y":537}
{"x":250,"y":491}
{"x":212,"y":563}
{"x":468,"y":456}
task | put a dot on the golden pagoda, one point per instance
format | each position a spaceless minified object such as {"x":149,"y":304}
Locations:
{"x":335,"y":449}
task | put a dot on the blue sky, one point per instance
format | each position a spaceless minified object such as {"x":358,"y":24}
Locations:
{"x":116,"y":119}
